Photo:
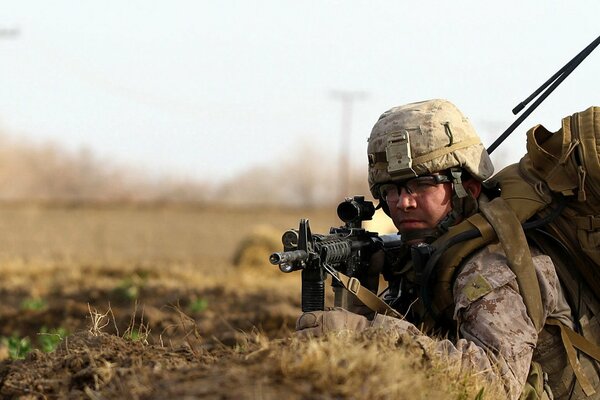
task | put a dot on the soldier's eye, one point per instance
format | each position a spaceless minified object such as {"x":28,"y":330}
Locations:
{"x":388,"y":191}
{"x":420,"y":184}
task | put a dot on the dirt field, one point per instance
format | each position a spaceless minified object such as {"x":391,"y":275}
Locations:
{"x":121,"y":302}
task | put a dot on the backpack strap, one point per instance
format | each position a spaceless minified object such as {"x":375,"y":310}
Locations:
{"x":571,"y":341}
{"x":513,"y":240}
{"x":453,"y":256}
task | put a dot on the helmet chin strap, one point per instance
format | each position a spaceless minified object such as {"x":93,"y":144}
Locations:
{"x":463,"y":203}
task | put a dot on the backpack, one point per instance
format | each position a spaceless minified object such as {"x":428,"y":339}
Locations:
{"x":551,"y":198}
{"x":557,"y":183}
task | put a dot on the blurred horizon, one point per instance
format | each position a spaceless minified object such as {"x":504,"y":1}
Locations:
{"x":51,"y":173}
{"x":264,"y":102}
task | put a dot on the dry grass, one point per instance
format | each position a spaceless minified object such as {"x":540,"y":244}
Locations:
{"x":376,"y":364}
{"x":139,"y":235}
{"x":123,"y":282}
{"x":372,"y":365}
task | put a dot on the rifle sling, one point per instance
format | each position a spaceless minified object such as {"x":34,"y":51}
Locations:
{"x":367,"y":297}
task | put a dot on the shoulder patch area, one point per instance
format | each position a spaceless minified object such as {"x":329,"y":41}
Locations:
{"x":477,"y":287}
{"x":482,"y":273}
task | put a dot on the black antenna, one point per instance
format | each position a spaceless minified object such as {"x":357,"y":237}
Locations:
{"x":549,"y":87}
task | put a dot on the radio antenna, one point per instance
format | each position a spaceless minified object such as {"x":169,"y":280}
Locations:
{"x":543,"y":92}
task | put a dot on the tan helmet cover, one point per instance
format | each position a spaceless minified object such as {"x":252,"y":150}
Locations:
{"x":423,"y":138}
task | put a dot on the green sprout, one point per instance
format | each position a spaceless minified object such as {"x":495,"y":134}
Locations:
{"x":130,"y":287}
{"x":34,"y":304}
{"x":198,"y":305}
{"x":49,"y":339}
{"x":137,"y":335}
{"x":133,"y":335}
{"x":18,"y":348}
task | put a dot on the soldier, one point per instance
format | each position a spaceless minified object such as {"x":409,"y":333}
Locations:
{"x":427,"y":166}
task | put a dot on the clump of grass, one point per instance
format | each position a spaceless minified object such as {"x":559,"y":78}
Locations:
{"x":376,"y":365}
{"x":137,"y":332}
{"x":47,"y":341}
{"x":135,"y":335}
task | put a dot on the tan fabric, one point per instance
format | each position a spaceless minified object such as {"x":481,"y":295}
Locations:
{"x":496,"y":336}
{"x":317,"y":323}
{"x":421,"y":138}
{"x":498,"y":322}
{"x":399,"y":325}
{"x":567,"y":162}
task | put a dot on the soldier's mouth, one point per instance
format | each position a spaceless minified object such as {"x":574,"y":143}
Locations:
{"x":407,"y":224}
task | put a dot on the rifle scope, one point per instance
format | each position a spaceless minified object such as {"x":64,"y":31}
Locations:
{"x":355,"y":210}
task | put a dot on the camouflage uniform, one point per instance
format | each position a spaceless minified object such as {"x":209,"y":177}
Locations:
{"x":494,"y":334}
{"x":493,"y":325}
{"x":496,"y":337}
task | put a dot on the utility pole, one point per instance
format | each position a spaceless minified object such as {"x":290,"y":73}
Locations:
{"x":347,"y":99}
{"x":9,"y":33}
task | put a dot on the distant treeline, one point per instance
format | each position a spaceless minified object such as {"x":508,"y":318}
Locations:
{"x":49,"y":173}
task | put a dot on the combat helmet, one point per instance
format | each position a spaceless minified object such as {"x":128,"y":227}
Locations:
{"x":422,"y":138}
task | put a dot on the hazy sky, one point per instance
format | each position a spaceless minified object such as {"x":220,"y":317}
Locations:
{"x":208,"y":89}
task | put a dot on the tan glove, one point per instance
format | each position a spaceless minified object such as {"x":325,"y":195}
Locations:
{"x":398,"y":325}
{"x":317,"y":323}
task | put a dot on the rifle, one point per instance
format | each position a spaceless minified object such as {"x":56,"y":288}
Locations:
{"x":344,"y":254}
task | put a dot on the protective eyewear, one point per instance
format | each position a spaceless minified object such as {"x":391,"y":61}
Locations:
{"x":390,"y":192}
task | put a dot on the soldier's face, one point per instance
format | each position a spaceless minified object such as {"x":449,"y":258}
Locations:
{"x":422,"y":209}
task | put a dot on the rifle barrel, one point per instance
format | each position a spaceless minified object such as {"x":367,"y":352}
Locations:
{"x":288,"y":257}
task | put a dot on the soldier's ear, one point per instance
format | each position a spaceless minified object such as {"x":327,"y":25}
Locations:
{"x":473,"y":186}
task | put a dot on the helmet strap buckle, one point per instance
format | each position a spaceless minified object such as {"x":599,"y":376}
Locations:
{"x":459,"y":189}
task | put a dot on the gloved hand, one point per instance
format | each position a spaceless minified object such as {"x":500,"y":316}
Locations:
{"x":399,"y":325}
{"x":317,"y":323}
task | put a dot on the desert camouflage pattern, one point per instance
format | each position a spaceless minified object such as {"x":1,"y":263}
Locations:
{"x":441,"y":137}
{"x":494,"y":317}
{"x":496,"y":336}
